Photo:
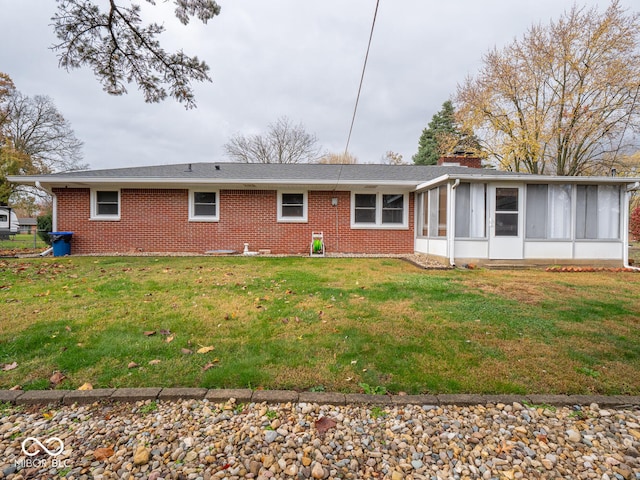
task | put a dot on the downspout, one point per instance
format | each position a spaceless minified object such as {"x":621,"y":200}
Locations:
{"x":625,"y":229}
{"x":451,"y":230}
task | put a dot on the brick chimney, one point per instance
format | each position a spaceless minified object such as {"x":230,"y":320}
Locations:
{"x":460,"y":161}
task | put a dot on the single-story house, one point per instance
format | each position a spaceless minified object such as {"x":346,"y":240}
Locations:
{"x":457,"y":213}
{"x":28,"y":225}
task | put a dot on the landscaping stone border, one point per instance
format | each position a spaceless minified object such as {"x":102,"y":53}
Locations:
{"x":68,"y":397}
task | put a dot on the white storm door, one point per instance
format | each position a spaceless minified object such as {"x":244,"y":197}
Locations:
{"x":506,"y":226}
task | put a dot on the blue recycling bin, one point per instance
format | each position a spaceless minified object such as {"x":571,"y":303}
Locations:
{"x":61,"y":243}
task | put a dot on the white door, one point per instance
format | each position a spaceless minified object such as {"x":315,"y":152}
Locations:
{"x":506,"y":227}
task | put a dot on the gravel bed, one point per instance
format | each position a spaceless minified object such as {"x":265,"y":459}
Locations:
{"x":199,"y":440}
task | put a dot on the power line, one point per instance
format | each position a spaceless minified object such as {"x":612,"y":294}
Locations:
{"x":364,"y":67}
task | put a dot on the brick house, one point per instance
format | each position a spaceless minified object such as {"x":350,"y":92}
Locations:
{"x":457,"y":213}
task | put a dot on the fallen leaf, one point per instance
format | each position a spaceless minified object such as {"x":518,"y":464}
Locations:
{"x":67,"y":328}
{"x":210,"y":365}
{"x":10,"y":366}
{"x":85,"y":386}
{"x":205,"y":349}
{"x":101,"y":454}
{"x":504,"y":448}
{"x":133,"y":365}
{"x":57,"y":378}
{"x":170,"y":338}
{"x":164,"y":331}
{"x":154,"y":362}
{"x":16,"y":387}
{"x":323,"y":424}
{"x":149,"y":333}
{"x":186,"y":351}
{"x":47,"y":415}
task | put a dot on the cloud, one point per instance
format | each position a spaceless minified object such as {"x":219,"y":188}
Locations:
{"x":269,"y":59}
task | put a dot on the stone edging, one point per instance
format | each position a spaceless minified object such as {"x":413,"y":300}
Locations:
{"x":69,"y":397}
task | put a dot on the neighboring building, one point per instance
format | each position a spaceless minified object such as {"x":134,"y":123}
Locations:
{"x":456,"y":213}
{"x":28,"y":225}
{"x":9,"y":223}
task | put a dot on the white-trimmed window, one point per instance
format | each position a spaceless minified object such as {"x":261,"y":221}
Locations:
{"x":203,"y":206}
{"x":379,"y":210}
{"x":105,"y":204}
{"x":292,"y":206}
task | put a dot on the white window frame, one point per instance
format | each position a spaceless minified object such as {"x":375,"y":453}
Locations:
{"x":192,"y":206}
{"x":378,"y":222}
{"x":94,"y":215}
{"x":305,"y":205}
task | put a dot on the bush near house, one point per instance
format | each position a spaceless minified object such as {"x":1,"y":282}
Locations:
{"x":45,"y":225}
{"x":634,"y":223}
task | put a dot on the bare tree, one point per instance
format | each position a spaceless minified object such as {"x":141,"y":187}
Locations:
{"x":393,"y":158}
{"x":563,"y":98}
{"x":282,"y":143}
{"x":120,"y":49}
{"x":37,"y":129}
{"x":34,"y":138}
{"x":344,"y":158}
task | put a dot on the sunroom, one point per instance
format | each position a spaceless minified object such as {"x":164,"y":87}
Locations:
{"x":524,"y":219}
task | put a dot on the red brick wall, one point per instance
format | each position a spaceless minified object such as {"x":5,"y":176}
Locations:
{"x":156,"y":220}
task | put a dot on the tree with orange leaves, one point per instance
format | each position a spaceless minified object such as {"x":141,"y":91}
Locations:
{"x":563,"y":98}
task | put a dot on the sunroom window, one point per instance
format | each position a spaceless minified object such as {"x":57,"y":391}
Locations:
{"x":548,"y":211}
{"x":598,"y":212}
{"x":435,"y":212}
{"x":471,"y":216}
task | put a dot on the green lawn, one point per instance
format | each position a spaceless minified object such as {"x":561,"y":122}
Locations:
{"x":21,"y":242}
{"x":301,"y":323}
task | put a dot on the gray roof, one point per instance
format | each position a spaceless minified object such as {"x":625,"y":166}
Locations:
{"x":274,"y":171}
{"x":273,"y":175}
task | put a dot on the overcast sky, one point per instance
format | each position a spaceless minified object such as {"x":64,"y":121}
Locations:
{"x":296,"y":58}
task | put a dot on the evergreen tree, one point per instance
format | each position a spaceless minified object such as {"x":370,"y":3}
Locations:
{"x":436,"y":136}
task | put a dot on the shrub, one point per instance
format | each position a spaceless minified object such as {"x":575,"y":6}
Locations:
{"x":634,"y":223}
{"x":45,"y":224}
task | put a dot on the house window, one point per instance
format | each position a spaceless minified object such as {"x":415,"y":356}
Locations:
{"x":105,"y":204}
{"x":597,"y":212}
{"x":384,"y":210}
{"x":203,"y":206}
{"x":392,"y":208}
{"x":471,"y":210}
{"x":548,"y":212}
{"x":365,"y":209}
{"x":292,"y":207}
